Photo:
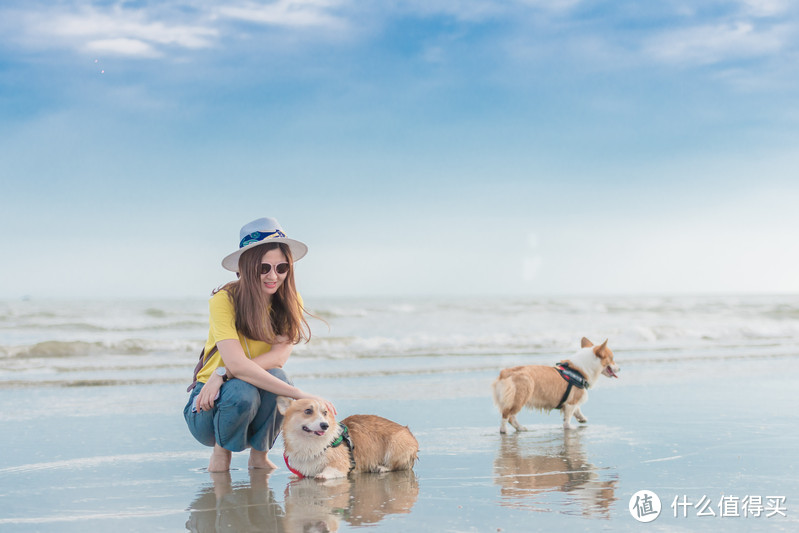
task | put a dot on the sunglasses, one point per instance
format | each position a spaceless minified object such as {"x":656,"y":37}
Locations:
{"x":280,"y":268}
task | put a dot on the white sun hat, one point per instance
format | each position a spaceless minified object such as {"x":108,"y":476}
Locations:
{"x":262,"y":231}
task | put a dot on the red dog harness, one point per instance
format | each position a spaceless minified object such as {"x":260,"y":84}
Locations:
{"x":295,"y":472}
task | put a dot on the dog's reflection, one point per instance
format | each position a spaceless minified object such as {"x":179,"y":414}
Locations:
{"x":526,"y":471}
{"x":309,"y":505}
{"x":360,"y":500}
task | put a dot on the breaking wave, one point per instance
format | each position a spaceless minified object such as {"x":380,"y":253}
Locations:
{"x":46,"y":341}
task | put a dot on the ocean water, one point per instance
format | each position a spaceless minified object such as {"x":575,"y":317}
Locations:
{"x":121,"y":342}
{"x":92,"y":435}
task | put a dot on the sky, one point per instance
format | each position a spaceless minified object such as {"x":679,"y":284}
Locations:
{"x":418,"y":147}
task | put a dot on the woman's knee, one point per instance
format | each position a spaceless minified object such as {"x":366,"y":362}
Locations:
{"x":200,"y":423}
{"x":240,"y":394}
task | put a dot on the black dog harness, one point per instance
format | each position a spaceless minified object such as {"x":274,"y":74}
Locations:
{"x":573,"y":379}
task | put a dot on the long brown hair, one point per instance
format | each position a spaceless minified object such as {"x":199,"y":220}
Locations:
{"x":258,"y":316}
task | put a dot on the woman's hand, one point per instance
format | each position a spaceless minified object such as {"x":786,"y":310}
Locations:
{"x":207,"y":395}
{"x":328,"y":404}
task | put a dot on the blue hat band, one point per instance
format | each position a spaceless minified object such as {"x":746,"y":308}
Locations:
{"x":258,"y":236}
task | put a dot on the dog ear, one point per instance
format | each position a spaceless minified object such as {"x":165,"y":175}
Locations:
{"x":600,"y":350}
{"x":585,"y":343}
{"x":283,"y":404}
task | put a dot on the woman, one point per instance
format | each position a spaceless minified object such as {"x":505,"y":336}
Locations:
{"x":254,"y":323}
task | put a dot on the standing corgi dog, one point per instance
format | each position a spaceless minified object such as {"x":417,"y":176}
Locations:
{"x":317,"y":446}
{"x":562,"y":386}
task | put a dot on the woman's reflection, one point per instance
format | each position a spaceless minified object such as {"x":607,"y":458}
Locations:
{"x":309,"y":505}
{"x":239,"y":507}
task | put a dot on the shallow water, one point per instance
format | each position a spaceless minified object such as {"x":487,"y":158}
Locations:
{"x":697,"y":419}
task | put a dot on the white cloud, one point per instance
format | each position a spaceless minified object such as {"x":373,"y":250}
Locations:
{"x":119,"y":24}
{"x":552,"y":5}
{"x":467,"y":10}
{"x":710,"y":44}
{"x":112,"y":31}
{"x":153,"y":30}
{"x":297,"y":13}
{"x":546,"y":28}
{"x":480,"y":10}
{"x":765,"y":8}
{"x":127,"y":47}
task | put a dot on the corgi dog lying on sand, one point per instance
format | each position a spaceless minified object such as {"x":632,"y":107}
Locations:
{"x":317,"y":446}
{"x":553,"y":387}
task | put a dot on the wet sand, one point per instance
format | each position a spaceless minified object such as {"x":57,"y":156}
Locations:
{"x":120,"y":458}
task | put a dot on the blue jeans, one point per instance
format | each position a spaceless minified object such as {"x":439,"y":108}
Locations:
{"x":243,"y":416}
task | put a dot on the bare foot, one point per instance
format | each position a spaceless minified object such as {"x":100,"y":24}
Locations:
{"x":220,"y":459}
{"x":258,"y":459}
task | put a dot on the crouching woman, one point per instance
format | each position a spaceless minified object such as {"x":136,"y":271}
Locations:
{"x":254,"y":323}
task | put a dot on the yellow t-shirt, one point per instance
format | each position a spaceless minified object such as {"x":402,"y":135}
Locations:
{"x":222,"y":319}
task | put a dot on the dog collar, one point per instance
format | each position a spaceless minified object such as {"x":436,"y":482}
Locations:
{"x":293,"y":471}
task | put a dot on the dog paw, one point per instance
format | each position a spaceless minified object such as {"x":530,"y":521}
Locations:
{"x":330,"y":473}
{"x":582,"y":420}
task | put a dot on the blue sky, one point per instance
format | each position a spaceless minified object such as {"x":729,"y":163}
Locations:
{"x":437,"y":147}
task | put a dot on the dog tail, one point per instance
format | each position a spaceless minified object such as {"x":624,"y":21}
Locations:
{"x":504,"y":393}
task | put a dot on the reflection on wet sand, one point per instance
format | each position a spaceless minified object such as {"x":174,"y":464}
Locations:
{"x":529,"y":471}
{"x":239,"y":507}
{"x":308,"y":506}
{"x":359,"y":500}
